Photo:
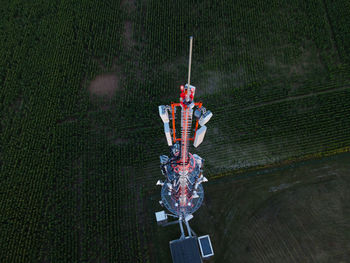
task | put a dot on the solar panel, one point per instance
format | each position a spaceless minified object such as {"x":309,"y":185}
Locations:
{"x":205,"y":246}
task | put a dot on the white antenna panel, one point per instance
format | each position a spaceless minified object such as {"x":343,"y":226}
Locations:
{"x":199,"y":136}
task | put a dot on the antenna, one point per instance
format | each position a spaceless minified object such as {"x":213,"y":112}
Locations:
{"x":189,"y":62}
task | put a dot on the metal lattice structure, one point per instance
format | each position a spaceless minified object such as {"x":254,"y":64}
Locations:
{"x":182,"y":193}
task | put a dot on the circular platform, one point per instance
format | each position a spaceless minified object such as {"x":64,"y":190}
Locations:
{"x":169,"y":202}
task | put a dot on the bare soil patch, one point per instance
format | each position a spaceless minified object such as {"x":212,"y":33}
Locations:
{"x":214,"y":81}
{"x":128,"y":34}
{"x":306,"y":62}
{"x":104,"y":85}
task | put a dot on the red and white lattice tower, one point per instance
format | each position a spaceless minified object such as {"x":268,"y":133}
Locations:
{"x":182,"y":193}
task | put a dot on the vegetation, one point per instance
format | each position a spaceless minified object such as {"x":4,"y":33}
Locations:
{"x":76,"y":170}
{"x":294,"y":213}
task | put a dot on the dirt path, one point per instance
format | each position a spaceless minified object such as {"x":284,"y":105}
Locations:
{"x":294,"y":98}
{"x":128,"y":34}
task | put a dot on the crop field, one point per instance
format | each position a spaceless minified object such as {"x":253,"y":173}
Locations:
{"x":80,"y":135}
{"x":295,"y":213}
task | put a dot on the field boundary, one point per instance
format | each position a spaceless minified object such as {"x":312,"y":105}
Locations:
{"x":285,"y":162}
{"x":295,"y":98}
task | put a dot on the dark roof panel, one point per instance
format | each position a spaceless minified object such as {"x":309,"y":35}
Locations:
{"x":185,"y":251}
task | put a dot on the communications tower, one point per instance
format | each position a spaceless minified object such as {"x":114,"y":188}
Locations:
{"x":182,"y":191}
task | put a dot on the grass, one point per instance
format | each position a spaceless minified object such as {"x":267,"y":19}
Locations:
{"x":275,"y":74}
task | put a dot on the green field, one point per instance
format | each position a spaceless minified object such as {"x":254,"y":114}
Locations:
{"x":80,"y":135}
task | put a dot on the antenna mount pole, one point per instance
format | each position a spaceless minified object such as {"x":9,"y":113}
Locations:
{"x":189,"y":62}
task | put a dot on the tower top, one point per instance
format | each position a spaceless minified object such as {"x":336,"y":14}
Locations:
{"x":189,"y":61}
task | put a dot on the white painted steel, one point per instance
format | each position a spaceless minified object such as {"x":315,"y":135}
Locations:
{"x":167,"y":133}
{"x":161,"y":217}
{"x":205,"y":118}
{"x":159,"y":182}
{"x":199,"y":136}
{"x":163,"y":113}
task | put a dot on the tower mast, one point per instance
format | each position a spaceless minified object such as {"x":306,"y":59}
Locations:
{"x":186,"y":116}
{"x":182,"y":192}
